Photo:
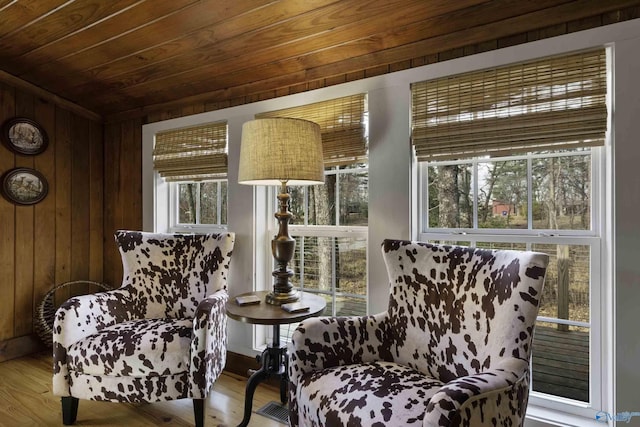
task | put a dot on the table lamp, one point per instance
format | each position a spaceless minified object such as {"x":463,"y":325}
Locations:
{"x":281,"y":151}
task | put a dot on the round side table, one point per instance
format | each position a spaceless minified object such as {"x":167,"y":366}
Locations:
{"x":273,"y":360}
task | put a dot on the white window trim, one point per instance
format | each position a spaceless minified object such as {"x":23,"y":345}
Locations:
{"x":596,"y":239}
{"x":175,"y":227}
{"x":423,"y":200}
{"x":305,"y":230}
{"x":263,"y":334}
{"x":328,"y":231}
{"x":595,"y":316}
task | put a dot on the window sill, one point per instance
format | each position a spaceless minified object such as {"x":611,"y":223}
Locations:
{"x":538,"y":416}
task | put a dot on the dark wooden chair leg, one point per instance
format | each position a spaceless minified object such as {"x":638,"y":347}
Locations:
{"x":69,"y":410}
{"x":198,"y":412}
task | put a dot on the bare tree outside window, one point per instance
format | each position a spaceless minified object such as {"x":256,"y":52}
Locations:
{"x":202,"y":202}
{"x":517,"y":198}
{"x":329,"y":262}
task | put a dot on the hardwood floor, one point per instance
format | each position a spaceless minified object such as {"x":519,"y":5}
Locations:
{"x":26,"y":400}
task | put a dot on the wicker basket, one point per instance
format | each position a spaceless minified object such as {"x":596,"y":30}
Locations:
{"x":43,"y":324}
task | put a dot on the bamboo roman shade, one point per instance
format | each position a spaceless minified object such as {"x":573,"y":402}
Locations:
{"x":551,"y":104}
{"x":193,"y":153}
{"x":342,"y":127}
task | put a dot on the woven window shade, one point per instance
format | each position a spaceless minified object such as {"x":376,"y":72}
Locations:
{"x":342,"y":127}
{"x":550,"y":104}
{"x":193,"y":153}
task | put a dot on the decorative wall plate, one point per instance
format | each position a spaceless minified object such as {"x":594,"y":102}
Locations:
{"x":24,"y":136}
{"x":24,"y":186}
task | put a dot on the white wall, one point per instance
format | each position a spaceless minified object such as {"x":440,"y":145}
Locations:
{"x":626,"y":225}
{"x":390,"y":211}
{"x":389,"y":182}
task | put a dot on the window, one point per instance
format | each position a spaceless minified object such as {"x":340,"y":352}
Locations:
{"x":330,"y":228}
{"x":511,"y":158}
{"x":193,"y":161}
{"x":200,"y":203}
{"x":542,"y":202}
{"x":330,"y":220}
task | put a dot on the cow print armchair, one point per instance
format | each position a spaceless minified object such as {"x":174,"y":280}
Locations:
{"x":161,"y":336}
{"x":452,"y":349}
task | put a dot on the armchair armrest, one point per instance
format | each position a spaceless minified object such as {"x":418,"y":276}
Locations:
{"x":323,"y":342}
{"x":484,"y":399}
{"x":81,"y":316}
{"x":209,"y":343}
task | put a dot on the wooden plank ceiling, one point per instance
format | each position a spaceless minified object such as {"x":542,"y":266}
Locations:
{"x":117,"y":56}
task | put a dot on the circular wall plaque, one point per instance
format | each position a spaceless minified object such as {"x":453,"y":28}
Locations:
{"x":24,"y":136}
{"x":24,"y":186}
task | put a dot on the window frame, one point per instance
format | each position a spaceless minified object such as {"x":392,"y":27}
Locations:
{"x":309,"y":230}
{"x":330,"y":232}
{"x":306,"y":230}
{"x":595,"y":238}
{"x":595,"y":221}
{"x":175,"y":226}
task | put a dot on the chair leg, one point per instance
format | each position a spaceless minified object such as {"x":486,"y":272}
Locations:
{"x":198,"y":412}
{"x":69,"y":410}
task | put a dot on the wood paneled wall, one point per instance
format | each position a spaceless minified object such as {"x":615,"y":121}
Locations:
{"x":123,"y":189}
{"x":59,"y":239}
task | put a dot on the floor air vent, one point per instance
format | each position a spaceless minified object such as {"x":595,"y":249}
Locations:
{"x":275,"y":411}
